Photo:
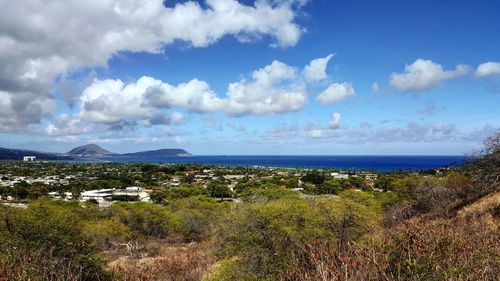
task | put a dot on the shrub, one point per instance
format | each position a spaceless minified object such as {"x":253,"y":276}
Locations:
{"x":262,"y":237}
{"x":262,"y":195}
{"x":198,"y":215}
{"x":106,"y":232}
{"x":44,"y":242}
{"x":148,"y":219}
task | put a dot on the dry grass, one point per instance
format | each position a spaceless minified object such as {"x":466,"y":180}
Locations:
{"x":465,"y":247}
{"x":164,"y":261}
{"x":487,"y":207}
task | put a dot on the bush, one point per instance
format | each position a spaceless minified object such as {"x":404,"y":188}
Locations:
{"x":198,"y":215}
{"x":148,"y":219}
{"x":263,"y":195}
{"x":106,"y":232}
{"x":45,"y":242}
{"x":260,"y":240}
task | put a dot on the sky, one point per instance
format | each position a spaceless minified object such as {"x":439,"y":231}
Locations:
{"x":264,"y":77}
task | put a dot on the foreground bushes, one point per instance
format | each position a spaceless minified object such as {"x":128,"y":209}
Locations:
{"x":148,"y":219}
{"x":258,"y":241}
{"x":44,"y":242}
{"x":416,"y":250}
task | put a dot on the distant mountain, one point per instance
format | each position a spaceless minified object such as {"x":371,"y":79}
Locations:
{"x":159,"y":153}
{"x":89,"y":150}
{"x":18,"y":154}
{"x":85,"y":150}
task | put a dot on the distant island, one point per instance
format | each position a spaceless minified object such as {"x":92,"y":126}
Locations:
{"x":159,"y":153}
{"x":88,"y":150}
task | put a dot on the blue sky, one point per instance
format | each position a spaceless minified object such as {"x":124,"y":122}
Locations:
{"x":263,"y":77}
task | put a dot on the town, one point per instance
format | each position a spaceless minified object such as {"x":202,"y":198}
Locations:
{"x":104,"y":183}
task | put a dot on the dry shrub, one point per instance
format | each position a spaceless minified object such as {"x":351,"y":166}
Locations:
{"x":463,"y":248}
{"x":323,"y":261}
{"x":457,"y":249}
{"x":186,"y":262}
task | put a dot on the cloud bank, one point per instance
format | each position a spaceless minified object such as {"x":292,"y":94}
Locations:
{"x":43,"y":40}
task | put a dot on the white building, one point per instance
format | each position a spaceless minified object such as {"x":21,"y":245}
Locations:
{"x":133,"y":191}
{"x":104,"y":195}
{"x":100,"y":195}
{"x":29,"y":158}
{"x":339,"y":176}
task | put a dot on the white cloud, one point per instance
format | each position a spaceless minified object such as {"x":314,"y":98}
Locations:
{"x":274,"y":89}
{"x":113,"y":104}
{"x":375,"y":87}
{"x":42,"y":40}
{"x":488,"y":68}
{"x":67,"y":126}
{"x":195,"y":96}
{"x":316,"y":69}
{"x":111,"y":101}
{"x":335,"y":121}
{"x":336,"y":92}
{"x":423,"y":75}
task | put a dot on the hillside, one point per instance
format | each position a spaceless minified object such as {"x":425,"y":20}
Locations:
{"x":89,"y":150}
{"x":17,"y":154}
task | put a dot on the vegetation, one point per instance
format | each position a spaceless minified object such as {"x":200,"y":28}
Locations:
{"x":440,"y":225}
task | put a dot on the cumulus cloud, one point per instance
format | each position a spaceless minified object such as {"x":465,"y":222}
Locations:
{"x":335,"y":120}
{"x":375,"y":87}
{"x":316,"y":69}
{"x":102,"y":107}
{"x":273,"y":89}
{"x":104,"y":101}
{"x":40,"y":40}
{"x":195,"y":96}
{"x":423,"y":75}
{"x":336,"y":92}
{"x":488,"y":68}
{"x":64,"y":125}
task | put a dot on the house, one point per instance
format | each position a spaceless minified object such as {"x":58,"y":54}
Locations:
{"x":29,"y":158}
{"x":231,"y":177}
{"x":133,"y":191}
{"x":371,"y":176}
{"x":339,"y":176}
{"x":100,"y":195}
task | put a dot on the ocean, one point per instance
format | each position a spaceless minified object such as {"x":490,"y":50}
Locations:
{"x":366,"y":163}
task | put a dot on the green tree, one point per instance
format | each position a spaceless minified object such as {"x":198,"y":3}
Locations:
{"x":314,"y":177}
{"x":218,"y":189}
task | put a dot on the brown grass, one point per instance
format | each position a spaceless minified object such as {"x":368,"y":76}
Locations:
{"x":466,"y":247}
{"x":164,"y":261}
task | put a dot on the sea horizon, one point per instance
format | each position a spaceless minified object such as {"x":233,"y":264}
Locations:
{"x":381,"y":163}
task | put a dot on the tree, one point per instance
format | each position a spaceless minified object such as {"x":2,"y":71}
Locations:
{"x":189,"y":178}
{"x":218,"y":189}
{"x":314,"y":177}
{"x":484,"y":168}
{"x":384,"y":183}
{"x":37,"y":190}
